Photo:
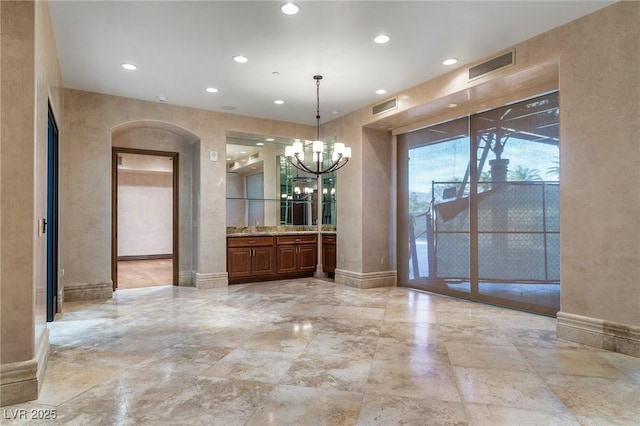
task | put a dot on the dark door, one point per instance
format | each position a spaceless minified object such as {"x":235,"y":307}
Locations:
{"x":52,"y":217}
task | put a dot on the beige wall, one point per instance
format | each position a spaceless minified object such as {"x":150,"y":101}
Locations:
{"x":145,"y":213}
{"x":89,"y":121}
{"x":30,"y":77}
{"x":595,"y":63}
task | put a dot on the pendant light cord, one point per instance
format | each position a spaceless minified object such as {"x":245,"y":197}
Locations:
{"x":317,"y":78}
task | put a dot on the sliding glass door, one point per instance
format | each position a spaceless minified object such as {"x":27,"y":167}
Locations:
{"x":479,"y":207}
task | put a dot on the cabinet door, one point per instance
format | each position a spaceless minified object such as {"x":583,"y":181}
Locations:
{"x":286,"y":259}
{"x":307,"y":257}
{"x":263,"y":261}
{"x":329,"y":257}
{"x":239,"y":262}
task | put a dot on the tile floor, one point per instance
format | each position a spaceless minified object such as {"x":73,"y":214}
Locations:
{"x":144,"y":273}
{"x":310,"y":352}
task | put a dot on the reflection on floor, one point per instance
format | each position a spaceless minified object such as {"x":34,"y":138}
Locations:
{"x":311,"y":352}
{"x":144,"y":273}
{"x":541,"y":294}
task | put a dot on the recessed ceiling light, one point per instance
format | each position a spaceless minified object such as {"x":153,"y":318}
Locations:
{"x":161,"y":98}
{"x":130,"y":67}
{"x":241,"y":59}
{"x":381,"y":39}
{"x":243,"y":152}
{"x":278,"y":102}
{"x":212,"y":90}
{"x":381,"y":91}
{"x":269,"y":139}
{"x":290,"y":8}
{"x":452,"y":105}
{"x":260,"y":143}
{"x":450,"y":61}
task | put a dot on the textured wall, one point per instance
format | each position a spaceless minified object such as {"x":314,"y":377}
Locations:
{"x":600,"y":165}
{"x":18,"y":242}
{"x":30,"y":80}
{"x":145,"y":213}
{"x":89,"y":122}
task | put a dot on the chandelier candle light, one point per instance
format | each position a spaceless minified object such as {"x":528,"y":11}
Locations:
{"x":340,"y":156}
{"x":295,"y":152}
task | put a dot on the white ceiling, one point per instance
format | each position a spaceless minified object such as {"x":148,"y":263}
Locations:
{"x":183,"y":47}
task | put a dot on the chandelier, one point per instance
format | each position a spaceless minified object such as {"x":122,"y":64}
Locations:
{"x":295,"y":152}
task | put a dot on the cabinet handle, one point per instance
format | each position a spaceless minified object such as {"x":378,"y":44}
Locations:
{"x":252,"y":241}
{"x":297,"y":240}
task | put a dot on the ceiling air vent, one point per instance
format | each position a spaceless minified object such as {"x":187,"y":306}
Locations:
{"x":492,"y":65}
{"x":255,"y":156}
{"x":385,"y":106}
{"x":231,"y":165}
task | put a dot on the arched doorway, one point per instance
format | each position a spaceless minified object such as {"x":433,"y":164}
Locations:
{"x":180,"y":150}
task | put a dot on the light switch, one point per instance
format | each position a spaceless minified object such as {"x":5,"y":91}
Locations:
{"x":213,"y":155}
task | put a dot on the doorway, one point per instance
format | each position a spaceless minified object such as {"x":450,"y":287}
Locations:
{"x":481,"y":198}
{"x":52,"y":216}
{"x":144,"y":218}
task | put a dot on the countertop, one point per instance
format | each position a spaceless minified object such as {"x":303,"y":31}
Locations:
{"x":244,"y":231}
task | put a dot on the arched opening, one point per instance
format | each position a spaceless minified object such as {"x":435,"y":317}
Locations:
{"x":177,"y":174}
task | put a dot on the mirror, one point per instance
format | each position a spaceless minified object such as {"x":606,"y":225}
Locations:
{"x":264,"y":189}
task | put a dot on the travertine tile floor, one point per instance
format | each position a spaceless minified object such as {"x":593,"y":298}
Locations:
{"x":144,"y":273}
{"x":310,"y":352}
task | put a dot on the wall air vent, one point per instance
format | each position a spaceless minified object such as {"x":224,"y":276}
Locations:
{"x":385,"y":106}
{"x":492,"y":65}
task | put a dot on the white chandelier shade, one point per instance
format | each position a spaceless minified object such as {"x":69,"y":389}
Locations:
{"x":295,"y":152}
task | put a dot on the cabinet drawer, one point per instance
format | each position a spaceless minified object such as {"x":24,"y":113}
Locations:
{"x":328,"y":239}
{"x":249,"y":241}
{"x":297,"y":239}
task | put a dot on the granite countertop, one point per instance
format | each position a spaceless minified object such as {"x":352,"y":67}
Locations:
{"x":243,"y":231}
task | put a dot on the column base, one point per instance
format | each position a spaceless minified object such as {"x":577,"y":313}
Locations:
{"x":365,"y":280}
{"x":21,"y":381}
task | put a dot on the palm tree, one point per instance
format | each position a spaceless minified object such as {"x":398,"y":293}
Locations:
{"x":520,"y":174}
{"x":554,"y":170}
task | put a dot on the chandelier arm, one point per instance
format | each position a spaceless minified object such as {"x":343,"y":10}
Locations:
{"x":299,"y":165}
{"x":335,"y":166}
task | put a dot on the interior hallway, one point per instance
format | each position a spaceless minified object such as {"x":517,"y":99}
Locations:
{"x":309,"y":352}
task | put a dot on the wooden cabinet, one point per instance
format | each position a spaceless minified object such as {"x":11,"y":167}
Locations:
{"x":329,"y":253}
{"x":264,"y":258}
{"x":297,"y":253}
{"x":250,"y":257}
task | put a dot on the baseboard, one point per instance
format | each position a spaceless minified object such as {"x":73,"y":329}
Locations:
{"x":185,"y":278}
{"x":611,"y":336}
{"x":88,"y":291}
{"x":145,"y":257}
{"x":365,"y":280}
{"x":211,"y":280}
{"x":21,"y":381}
